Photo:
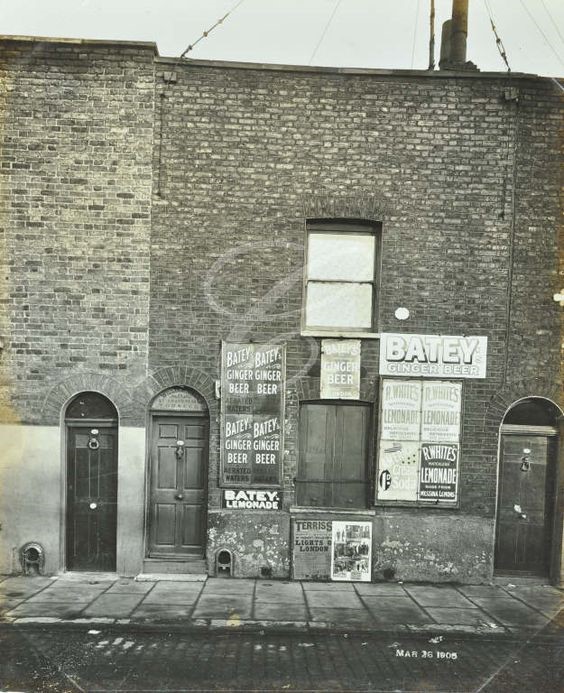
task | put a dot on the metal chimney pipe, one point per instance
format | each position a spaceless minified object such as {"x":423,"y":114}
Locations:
{"x":459,"y":32}
{"x":444,"y":61}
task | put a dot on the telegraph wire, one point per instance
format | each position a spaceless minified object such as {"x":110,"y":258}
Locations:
{"x":498,"y":41}
{"x":205,"y":34}
{"x":171,"y":77}
{"x":554,"y":24}
{"x":541,"y":32}
{"x":324,"y":31}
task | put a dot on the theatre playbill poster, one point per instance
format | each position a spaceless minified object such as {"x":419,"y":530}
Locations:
{"x":352,"y":551}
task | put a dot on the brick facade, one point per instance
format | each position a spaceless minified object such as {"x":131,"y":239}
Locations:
{"x":152,"y":209}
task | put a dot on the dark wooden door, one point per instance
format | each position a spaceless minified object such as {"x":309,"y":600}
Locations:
{"x":526,"y":499}
{"x":91,"y":498}
{"x":177,"y":513}
{"x":333,"y":455}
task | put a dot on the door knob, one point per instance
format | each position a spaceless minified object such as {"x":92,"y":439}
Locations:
{"x":93,"y":506}
{"x":179,"y":496}
{"x":517,"y":508}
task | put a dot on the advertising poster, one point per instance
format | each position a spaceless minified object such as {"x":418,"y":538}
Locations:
{"x":312,"y":550}
{"x":252,"y":405}
{"x":351,"y":556}
{"x":398,"y":469}
{"x":251,"y":499}
{"x":433,"y":356}
{"x":401,"y":410}
{"x":439,"y":472}
{"x":441,"y":411}
{"x":340,"y":369}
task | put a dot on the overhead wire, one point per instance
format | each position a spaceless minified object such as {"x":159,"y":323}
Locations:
{"x":498,"y":41}
{"x":548,"y":43}
{"x":554,"y":24}
{"x":171,"y":77}
{"x":324,"y":31}
{"x":205,"y":34}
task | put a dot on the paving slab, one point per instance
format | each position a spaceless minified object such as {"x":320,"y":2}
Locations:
{"x":348,"y":618}
{"x":280,"y":612}
{"x":428,"y":595}
{"x":223,"y":606}
{"x":51,"y":609}
{"x":166,"y":587}
{"x":374,"y":588}
{"x":22,"y":587}
{"x":511,"y":612}
{"x":336,"y":600}
{"x":229,"y":586}
{"x":481,"y":590}
{"x":9,"y":603}
{"x":116,"y":605}
{"x":459,"y":617}
{"x":328,"y":586}
{"x":545,"y":599}
{"x":397,"y":610}
{"x":79,"y":597}
{"x":131,"y":587}
{"x":160,"y":612}
{"x":279,"y":592}
{"x":171,"y":599}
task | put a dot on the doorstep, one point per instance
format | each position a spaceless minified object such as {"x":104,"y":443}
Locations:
{"x":171,"y":577}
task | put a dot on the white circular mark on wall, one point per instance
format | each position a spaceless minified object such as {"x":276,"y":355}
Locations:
{"x":402,"y":313}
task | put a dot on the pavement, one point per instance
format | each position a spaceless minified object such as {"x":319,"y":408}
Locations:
{"x":246,"y":604}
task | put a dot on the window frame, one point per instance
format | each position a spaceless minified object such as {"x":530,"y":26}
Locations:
{"x":343,"y":227}
{"x":368,"y":462}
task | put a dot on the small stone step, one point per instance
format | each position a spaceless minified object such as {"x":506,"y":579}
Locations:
{"x":171,"y":577}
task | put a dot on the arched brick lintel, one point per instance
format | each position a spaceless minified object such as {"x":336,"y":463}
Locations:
{"x":183,"y":376}
{"x":504,"y":398}
{"x":60,"y":394}
{"x":369,"y":207}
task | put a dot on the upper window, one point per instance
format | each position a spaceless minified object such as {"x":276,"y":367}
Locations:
{"x":340,"y":278}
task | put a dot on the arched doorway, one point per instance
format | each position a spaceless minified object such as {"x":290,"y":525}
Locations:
{"x":527,"y":488}
{"x":91,"y":423}
{"x":178,"y":469}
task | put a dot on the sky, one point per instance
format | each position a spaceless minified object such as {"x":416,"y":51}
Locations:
{"x":386,"y":34}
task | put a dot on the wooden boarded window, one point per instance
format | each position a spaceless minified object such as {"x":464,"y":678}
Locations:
{"x":333,"y":455}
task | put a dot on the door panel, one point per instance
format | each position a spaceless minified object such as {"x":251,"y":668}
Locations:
{"x":524,"y":508}
{"x":167,"y":477}
{"x":178,"y":486}
{"x":333,"y":455}
{"x":91,"y":499}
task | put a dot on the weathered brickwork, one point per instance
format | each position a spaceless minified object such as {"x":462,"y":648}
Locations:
{"x":77,"y":128}
{"x":462,"y":178}
{"x":151,"y":209}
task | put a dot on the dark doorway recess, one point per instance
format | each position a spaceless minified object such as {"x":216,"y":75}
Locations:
{"x":91,"y":424}
{"x":527,"y":489}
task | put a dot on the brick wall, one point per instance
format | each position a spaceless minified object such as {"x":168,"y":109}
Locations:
{"x":76,"y":132}
{"x":247,"y":155}
{"x":144,"y":220}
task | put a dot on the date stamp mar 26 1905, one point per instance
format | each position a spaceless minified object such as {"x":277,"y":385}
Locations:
{"x":426,"y":654}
